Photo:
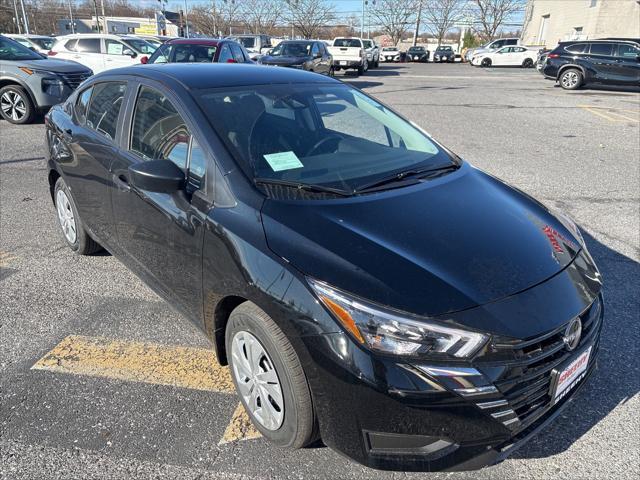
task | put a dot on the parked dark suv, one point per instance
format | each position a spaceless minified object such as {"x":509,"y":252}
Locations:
{"x":609,"y":62}
{"x":364,"y":284}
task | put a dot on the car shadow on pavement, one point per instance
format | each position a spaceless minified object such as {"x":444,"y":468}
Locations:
{"x":616,"y":380}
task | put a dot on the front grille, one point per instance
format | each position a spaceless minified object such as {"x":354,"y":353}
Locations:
{"x":525,"y":383}
{"x":74,"y":79}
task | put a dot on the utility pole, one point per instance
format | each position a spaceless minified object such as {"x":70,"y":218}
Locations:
{"x":415,"y":34}
{"x":71,"y":17}
{"x":24,"y":16}
{"x":362,"y":20}
{"x":186,"y":19}
{"x":104,"y":18}
{"x":95,"y":11}
{"x":17,"y":18}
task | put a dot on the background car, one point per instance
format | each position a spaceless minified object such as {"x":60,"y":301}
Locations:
{"x":490,"y":47}
{"x":512,"y":56}
{"x":307,"y":55}
{"x":417,"y":54}
{"x":444,"y":54}
{"x":199,"y":50}
{"x":101,"y":52}
{"x":256,"y":45}
{"x":373,"y":52}
{"x":348,"y":53}
{"x":608,"y":62}
{"x":390,"y":54}
{"x":31,"y":83}
{"x":40,"y":43}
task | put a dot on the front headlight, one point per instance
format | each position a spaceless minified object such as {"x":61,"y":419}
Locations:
{"x":390,"y":332}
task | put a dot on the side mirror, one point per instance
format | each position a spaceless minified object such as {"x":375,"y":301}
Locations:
{"x":144,"y":60}
{"x":162,"y":176}
{"x":129,"y":52}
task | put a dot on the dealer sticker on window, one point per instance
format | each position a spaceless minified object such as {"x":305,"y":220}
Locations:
{"x":283,"y":161}
{"x":571,"y":375}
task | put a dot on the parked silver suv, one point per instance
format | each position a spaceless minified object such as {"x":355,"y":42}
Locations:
{"x":31,"y":83}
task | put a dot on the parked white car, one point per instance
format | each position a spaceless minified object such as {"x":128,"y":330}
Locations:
{"x":390,"y":54}
{"x":39,"y":43}
{"x":349,"y":53}
{"x":512,"y":56}
{"x":492,"y":46}
{"x":101,"y":52}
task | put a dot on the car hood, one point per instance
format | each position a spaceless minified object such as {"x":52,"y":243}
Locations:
{"x":58,"y":66}
{"x":440,"y":246}
{"x":283,"y":60}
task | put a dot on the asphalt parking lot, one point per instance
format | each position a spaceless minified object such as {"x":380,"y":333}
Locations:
{"x":101,"y":378}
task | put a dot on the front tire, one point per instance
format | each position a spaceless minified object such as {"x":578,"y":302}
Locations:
{"x":360,"y":70}
{"x":486,"y":62}
{"x":15,"y":105}
{"x":571,"y":79}
{"x":269,"y":378}
{"x":72,"y":228}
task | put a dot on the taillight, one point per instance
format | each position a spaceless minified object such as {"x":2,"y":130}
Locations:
{"x":553,"y":55}
{"x":51,"y":53}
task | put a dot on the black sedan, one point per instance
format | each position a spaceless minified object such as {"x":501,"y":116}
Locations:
{"x":365,"y":284}
{"x":444,"y":54}
{"x":417,"y":54}
{"x":304,"y":55}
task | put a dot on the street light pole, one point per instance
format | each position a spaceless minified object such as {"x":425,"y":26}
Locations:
{"x":186,"y":19}
{"x":104,"y":18}
{"x":17,"y":18}
{"x":362,"y":21}
{"x":71,"y":17}
{"x":26,"y":20}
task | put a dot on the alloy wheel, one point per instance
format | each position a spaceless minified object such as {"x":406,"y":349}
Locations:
{"x":66,"y":217}
{"x":569,"y":79}
{"x":257,"y":380}
{"x":13,"y":105}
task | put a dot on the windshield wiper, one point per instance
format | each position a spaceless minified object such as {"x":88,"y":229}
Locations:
{"x":412,"y":174}
{"x":309,"y":187}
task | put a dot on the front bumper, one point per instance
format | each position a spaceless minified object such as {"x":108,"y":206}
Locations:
{"x":403,"y":416}
{"x":49,"y":90}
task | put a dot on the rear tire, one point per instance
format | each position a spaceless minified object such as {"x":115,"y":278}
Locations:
{"x":571,"y":79}
{"x":15,"y":105}
{"x":528,"y":63}
{"x":289,"y":419}
{"x":72,"y":228}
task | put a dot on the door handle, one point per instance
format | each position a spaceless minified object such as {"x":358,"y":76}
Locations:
{"x":122,"y":182}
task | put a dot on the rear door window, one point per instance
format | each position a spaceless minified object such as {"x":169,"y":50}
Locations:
{"x":601,"y":49}
{"x":114,"y":47}
{"x":104,"y":109}
{"x":82,"y":105}
{"x":625,"y":50}
{"x":88,"y":45}
{"x":225,"y":53}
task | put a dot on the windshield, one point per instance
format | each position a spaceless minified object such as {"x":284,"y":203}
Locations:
{"x":446,"y":49}
{"x":247,"y":42}
{"x":292,"y":49}
{"x":346,"y":42}
{"x":141,"y":46}
{"x":315,"y":134}
{"x":367,"y":43}
{"x":389,"y":49}
{"x":44,"y":43}
{"x":416,"y":49}
{"x":12,"y":50}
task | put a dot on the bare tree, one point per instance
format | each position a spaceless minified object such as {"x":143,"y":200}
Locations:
{"x":261,"y":16}
{"x":492,"y":14}
{"x":309,"y":16}
{"x":442,"y":15}
{"x":394,"y":17}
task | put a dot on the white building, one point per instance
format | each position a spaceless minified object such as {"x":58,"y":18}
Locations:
{"x":548,"y":22}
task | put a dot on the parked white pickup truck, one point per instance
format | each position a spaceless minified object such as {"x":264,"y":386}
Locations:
{"x":349,"y":54}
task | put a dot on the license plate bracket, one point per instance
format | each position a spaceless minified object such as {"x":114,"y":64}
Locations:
{"x":565,"y":378}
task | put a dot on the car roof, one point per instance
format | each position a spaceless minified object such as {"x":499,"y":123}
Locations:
{"x":195,"y":41}
{"x":214,"y":75}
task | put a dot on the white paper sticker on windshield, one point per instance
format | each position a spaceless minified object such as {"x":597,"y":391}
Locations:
{"x":283,"y":161}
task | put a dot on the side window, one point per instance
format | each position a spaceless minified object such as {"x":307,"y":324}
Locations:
{"x":71,"y":45}
{"x":225,"y":53}
{"x":315,"y":50}
{"x":88,"y":45}
{"x":577,"y":48}
{"x":601,"y":48}
{"x":104,"y":108}
{"x":197,"y":167}
{"x":627,"y":51}
{"x":498,"y":44}
{"x":82,"y":104}
{"x":518,"y":49}
{"x":159,"y":132}
{"x":237,"y":53}
{"x":161,"y":55}
{"x":513,"y":41}
{"x":114,"y":47}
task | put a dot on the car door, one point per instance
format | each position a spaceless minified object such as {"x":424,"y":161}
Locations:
{"x":91,"y":136}
{"x":517,"y":55}
{"x":88,"y":52}
{"x":159,"y":233}
{"x":117,"y":54}
{"x":628,"y":63}
{"x":604,"y":62}
{"x":501,"y":57}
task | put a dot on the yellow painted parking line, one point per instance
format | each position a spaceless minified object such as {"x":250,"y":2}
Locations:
{"x":184,"y":367}
{"x":239,"y":428}
{"x":5,"y":258}
{"x":610,"y":114}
